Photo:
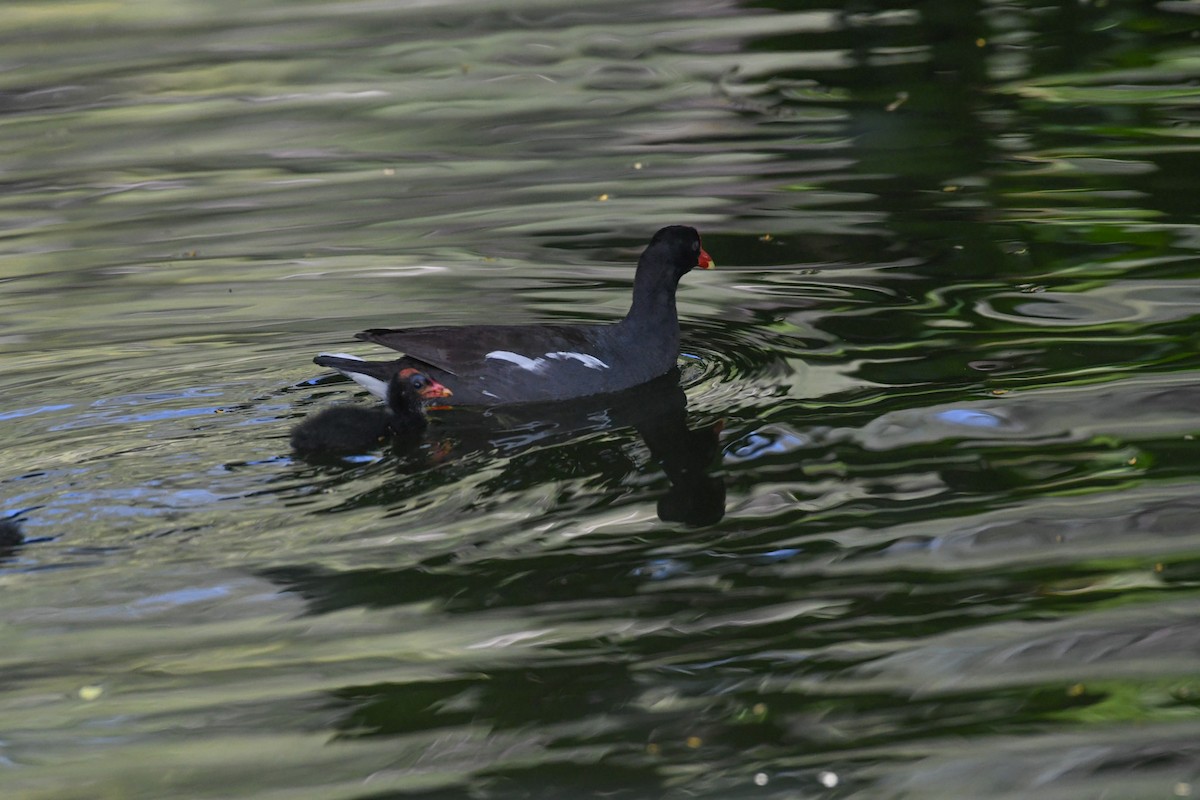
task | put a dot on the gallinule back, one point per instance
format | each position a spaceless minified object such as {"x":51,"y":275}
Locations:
{"x":489,"y":365}
{"x":355,"y":429}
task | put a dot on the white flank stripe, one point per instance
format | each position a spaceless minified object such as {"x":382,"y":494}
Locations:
{"x":539,"y":364}
{"x":342,"y":355}
{"x":524,"y":362}
{"x":591,"y":362}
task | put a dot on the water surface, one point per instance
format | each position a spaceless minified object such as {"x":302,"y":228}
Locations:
{"x":924,"y":528}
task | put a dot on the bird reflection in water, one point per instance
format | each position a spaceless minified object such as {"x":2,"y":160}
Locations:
{"x":657,"y":410}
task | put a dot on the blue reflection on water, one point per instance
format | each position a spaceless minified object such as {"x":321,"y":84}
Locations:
{"x":661,"y":569}
{"x":28,"y":412}
{"x":185,"y":596}
{"x":772,"y":441}
{"x":972,"y":418}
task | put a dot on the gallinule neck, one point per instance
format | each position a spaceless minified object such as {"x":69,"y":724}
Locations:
{"x":355,"y":429}
{"x":488,"y":365}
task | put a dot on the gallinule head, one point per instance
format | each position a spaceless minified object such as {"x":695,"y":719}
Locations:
{"x":488,"y":365}
{"x":355,"y":429}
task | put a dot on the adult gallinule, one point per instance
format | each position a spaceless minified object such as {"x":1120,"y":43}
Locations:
{"x":355,"y":429}
{"x":487,"y":365}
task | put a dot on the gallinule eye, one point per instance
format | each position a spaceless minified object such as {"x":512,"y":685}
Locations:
{"x":487,"y":365}
{"x":355,"y":429}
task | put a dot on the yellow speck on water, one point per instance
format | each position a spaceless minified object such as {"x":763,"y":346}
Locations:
{"x":653,"y":749}
{"x":981,"y":42}
{"x":999,"y":392}
{"x":389,"y":171}
{"x":766,"y":237}
{"x":90,"y":693}
{"x":637,"y":165}
{"x":1076,"y":690}
{"x":694,"y":742}
{"x":1183,"y":789}
{"x":25,"y":14}
{"x":951,"y":188}
{"x":602,"y":198}
{"x":760,"y":709}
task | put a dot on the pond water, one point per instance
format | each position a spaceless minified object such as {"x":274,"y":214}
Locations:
{"x":926,"y":526}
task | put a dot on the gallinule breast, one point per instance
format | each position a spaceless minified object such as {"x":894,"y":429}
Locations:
{"x":488,"y":365}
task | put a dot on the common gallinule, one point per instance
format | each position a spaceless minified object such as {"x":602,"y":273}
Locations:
{"x":354,"y":429}
{"x":10,"y":533}
{"x":488,"y":365}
